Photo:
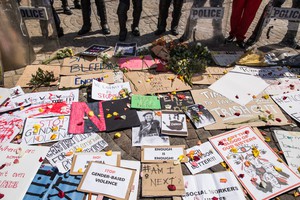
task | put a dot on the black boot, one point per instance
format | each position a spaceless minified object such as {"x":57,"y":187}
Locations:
{"x":177,"y":4}
{"x":137,"y":11}
{"x":77,"y":5}
{"x":66,"y":7}
{"x":163,"y":15}
{"x":122,"y":16}
{"x":86,"y":12}
{"x":101,"y":10}
{"x":289,"y":39}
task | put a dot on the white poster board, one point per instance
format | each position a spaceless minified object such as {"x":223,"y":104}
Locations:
{"x":105,"y":91}
{"x":162,"y":153}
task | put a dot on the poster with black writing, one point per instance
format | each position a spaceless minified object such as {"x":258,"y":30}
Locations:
{"x":19,"y":164}
{"x":258,"y":168}
{"x":177,"y":101}
{"x":162,"y":179}
{"x":216,"y":186}
{"x":162,"y":153}
{"x":149,"y":131}
{"x":107,"y":180}
{"x":118,"y":115}
{"x":229,"y":114}
{"x":199,"y":115}
{"x":43,"y":130}
{"x":174,"y":123}
{"x":94,"y":50}
{"x":205,"y":156}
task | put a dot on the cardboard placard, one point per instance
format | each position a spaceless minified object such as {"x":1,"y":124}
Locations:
{"x":84,"y":80}
{"x":209,"y":157}
{"x":225,"y":58}
{"x":32,"y":69}
{"x":72,"y":66}
{"x":48,"y":182}
{"x":81,"y":161}
{"x":161,"y":153}
{"x":145,"y":102}
{"x":209,"y":186}
{"x":246,"y":153}
{"x":16,"y":176}
{"x":10,"y":126}
{"x":174,"y":123}
{"x":104,"y":91}
{"x":211,"y":75}
{"x":199,"y":115}
{"x":177,"y":101}
{"x":150,"y":83}
{"x":157,"y":177}
{"x":236,"y":87}
{"x":148,"y":133}
{"x":110,"y":181}
{"x":289,"y":142}
{"x":290,"y":103}
{"x":90,"y":142}
{"x":225,"y":111}
{"x":43,"y":130}
{"x":137,"y":63}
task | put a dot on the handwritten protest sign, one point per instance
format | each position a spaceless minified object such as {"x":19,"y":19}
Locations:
{"x":177,"y":101}
{"x":208,"y":157}
{"x":174,"y":123}
{"x":145,"y":102}
{"x":5,"y":95}
{"x":236,"y":87}
{"x":254,"y":163}
{"x":290,"y":103}
{"x":221,"y":185}
{"x":10,"y":104}
{"x":283,"y":86}
{"x":159,"y":176}
{"x":32,"y":69}
{"x":43,"y":130}
{"x":150,"y":83}
{"x":17,"y":171}
{"x":162,"y":153}
{"x":229,"y":114}
{"x":58,"y":153}
{"x":137,"y":63}
{"x":72,"y":66}
{"x":84,"y":80}
{"x":81,"y":161}
{"x":10,"y":126}
{"x":289,"y":142}
{"x":110,"y":181}
{"x":104,"y":91}
{"x":211,"y":75}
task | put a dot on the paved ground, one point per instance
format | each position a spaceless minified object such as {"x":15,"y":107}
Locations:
{"x":72,"y":25}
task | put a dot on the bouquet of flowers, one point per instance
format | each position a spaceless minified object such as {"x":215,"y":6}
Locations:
{"x":60,"y":54}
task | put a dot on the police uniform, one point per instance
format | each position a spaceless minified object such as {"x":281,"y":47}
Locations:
{"x":66,"y":8}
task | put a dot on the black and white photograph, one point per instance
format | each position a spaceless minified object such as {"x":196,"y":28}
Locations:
{"x":125,"y":49}
{"x":174,"y":123}
{"x":149,"y":132}
{"x":199,"y":115}
{"x":94,"y":50}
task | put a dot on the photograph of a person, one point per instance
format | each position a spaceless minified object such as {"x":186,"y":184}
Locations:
{"x":125,"y":49}
{"x":199,"y":115}
{"x":149,"y":132}
{"x":174,"y":123}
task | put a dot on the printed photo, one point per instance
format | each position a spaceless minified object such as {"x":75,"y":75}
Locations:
{"x":199,"y":115}
{"x":174,"y":123}
{"x":125,"y":49}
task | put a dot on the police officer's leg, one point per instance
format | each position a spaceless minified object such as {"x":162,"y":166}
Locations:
{"x":66,"y":7}
{"x":86,"y":17}
{"x":177,"y":6}
{"x":137,"y":11}
{"x":217,"y":23}
{"x":59,"y":29}
{"x":101,"y":11}
{"x":122,"y":16}
{"x":77,"y":4}
{"x":162,"y":16}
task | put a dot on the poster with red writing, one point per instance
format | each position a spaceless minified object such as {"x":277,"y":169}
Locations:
{"x":254,"y":163}
{"x":19,"y":165}
{"x":10,"y":126}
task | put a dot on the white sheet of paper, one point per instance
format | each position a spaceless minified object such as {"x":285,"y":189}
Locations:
{"x":105,"y":91}
{"x":239,"y":88}
{"x":162,"y":153}
{"x":106,"y":180}
{"x":289,"y":142}
{"x":290,"y":103}
{"x":206,"y":186}
{"x":83,"y":159}
{"x":51,"y":129}
{"x":18,"y":177}
{"x":10,"y":104}
{"x":208,"y":159}
{"x":89,"y":142}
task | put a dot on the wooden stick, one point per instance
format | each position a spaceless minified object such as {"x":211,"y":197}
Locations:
{"x":90,"y":196}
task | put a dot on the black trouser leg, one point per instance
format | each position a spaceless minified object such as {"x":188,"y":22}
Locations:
{"x":122,"y":16}
{"x":137,"y":11}
{"x":59,"y":29}
{"x":101,"y":11}
{"x":163,"y":14}
{"x":177,"y":6}
{"x":86,"y":17}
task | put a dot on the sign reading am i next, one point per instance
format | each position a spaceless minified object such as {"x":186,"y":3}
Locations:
{"x":207,"y":13}
{"x":33,"y":12}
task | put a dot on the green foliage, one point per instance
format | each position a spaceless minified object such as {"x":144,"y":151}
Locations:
{"x":60,"y":54}
{"x":41,"y":78}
